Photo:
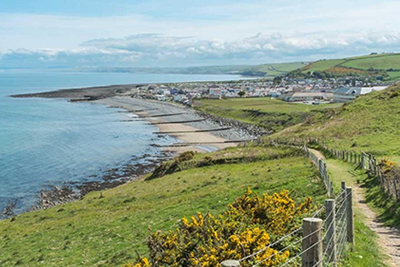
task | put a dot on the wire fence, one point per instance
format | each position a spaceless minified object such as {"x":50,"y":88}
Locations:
{"x":323,"y":237}
{"x":388,"y":176}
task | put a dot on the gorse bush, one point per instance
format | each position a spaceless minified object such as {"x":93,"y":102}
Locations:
{"x":388,"y":166}
{"x":251,"y":223}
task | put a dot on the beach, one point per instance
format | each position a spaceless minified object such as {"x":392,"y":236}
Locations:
{"x":182,"y":127}
{"x":166,"y":116}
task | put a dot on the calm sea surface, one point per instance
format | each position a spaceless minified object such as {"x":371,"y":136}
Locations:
{"x":50,"y":141}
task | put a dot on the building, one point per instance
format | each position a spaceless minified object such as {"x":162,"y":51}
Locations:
{"x":310,"y":96}
{"x":347,"y":94}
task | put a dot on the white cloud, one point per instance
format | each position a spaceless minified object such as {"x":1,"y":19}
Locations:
{"x":207,"y":33}
{"x":160,"y":50}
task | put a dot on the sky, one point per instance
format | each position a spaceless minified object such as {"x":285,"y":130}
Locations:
{"x":172,"y":33}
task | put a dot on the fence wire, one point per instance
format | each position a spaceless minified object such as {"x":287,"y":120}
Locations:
{"x":332,"y":248}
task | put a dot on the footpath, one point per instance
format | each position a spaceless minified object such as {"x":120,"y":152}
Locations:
{"x":388,"y":237}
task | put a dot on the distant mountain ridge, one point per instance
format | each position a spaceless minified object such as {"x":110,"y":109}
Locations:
{"x":270,"y":70}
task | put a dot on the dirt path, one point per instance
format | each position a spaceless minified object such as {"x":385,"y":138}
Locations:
{"x":388,"y":238}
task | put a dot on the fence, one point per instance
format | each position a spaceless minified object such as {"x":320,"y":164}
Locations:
{"x":389,"y":181}
{"x":324,"y":236}
{"x":323,"y":170}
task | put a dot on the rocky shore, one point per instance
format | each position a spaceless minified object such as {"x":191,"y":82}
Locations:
{"x":195,"y":130}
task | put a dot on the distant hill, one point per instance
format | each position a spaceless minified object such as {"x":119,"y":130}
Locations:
{"x":269,"y":70}
{"x":382,"y":66}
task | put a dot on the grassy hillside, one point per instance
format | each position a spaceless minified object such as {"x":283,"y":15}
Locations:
{"x":384,"y":65}
{"x":277,"y":69}
{"x":371,"y":123}
{"x":106,"y":228}
{"x":271,"y":114}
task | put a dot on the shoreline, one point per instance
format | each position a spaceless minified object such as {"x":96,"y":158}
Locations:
{"x":153,"y":112}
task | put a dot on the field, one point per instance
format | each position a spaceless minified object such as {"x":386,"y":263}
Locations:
{"x":278,"y":69}
{"x":363,"y":65}
{"x":322,"y":65}
{"x":384,"y":62}
{"x":271,"y":114}
{"x":106,"y":228}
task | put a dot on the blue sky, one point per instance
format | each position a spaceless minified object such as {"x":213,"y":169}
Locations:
{"x":50,"y":33}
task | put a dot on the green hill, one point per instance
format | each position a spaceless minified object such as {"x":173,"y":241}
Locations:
{"x":106,"y":229}
{"x":385,"y":65}
{"x":371,"y":123}
{"x":276,"y":69}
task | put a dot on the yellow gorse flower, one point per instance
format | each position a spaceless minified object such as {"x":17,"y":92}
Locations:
{"x":250,"y":224}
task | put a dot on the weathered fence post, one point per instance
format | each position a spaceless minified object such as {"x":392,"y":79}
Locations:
{"x":330,"y":226}
{"x":230,"y":263}
{"x":331,"y":192}
{"x":362,"y":160}
{"x":349,"y":215}
{"x":312,"y":244}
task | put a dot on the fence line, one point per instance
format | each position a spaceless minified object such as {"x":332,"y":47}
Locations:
{"x":325,"y":235}
{"x":323,"y":170}
{"x":388,"y":180}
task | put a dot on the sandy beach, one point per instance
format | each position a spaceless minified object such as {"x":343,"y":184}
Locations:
{"x":156,"y":112}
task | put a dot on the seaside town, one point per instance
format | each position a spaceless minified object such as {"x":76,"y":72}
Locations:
{"x":310,"y":91}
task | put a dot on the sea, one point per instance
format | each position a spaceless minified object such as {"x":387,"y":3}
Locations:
{"x":53,"y":142}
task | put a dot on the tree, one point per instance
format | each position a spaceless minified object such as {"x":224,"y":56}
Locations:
{"x":241,"y":93}
{"x":277,"y":80}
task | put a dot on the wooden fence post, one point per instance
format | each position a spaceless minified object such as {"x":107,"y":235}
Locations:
{"x":230,"y":263}
{"x":343,"y":187}
{"x":330,"y":226}
{"x":312,"y":244}
{"x":349,"y":215}
{"x":362,"y":160}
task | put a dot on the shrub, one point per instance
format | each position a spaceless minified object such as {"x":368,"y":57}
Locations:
{"x":251,"y":223}
{"x":171,"y":167}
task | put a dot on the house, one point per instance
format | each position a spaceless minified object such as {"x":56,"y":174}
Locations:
{"x":215,"y":93}
{"x":346,"y":94}
{"x":161,"y":97}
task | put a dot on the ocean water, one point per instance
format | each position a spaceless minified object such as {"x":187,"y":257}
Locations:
{"x":51,"y":141}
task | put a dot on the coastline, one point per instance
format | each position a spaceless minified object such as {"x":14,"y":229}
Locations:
{"x":200,"y":134}
{"x":154,"y":112}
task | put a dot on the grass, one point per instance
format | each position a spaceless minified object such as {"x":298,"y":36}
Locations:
{"x":361,"y":65}
{"x":394,"y":75}
{"x":277,"y":69}
{"x":370,"y":123}
{"x":365,"y":252}
{"x":383,"y":62}
{"x":105,"y":229}
{"x":387,"y":209}
{"x":271,"y":114}
{"x":322,"y":65}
